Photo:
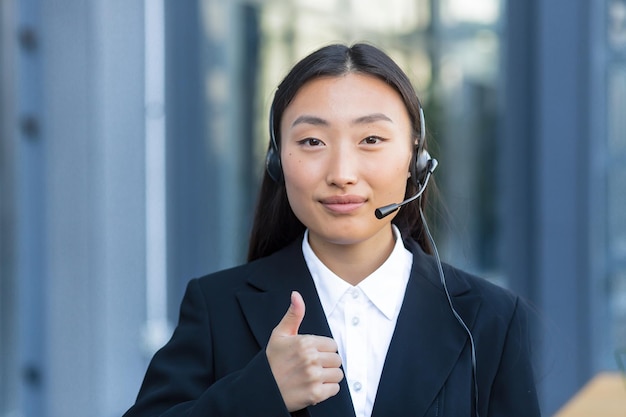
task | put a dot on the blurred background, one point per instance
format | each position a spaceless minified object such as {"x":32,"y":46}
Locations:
{"x":132,"y":140}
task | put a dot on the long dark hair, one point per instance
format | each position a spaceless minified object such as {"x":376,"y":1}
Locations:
{"x":275,"y":225}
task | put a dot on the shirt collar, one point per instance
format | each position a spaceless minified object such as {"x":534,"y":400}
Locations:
{"x":384,"y":287}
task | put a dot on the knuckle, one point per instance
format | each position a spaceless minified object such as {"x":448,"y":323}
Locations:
{"x":312,"y":373}
{"x":301,"y":343}
{"x":309,"y":356}
{"x":317,"y":394}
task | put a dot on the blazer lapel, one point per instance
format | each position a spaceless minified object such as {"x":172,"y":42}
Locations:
{"x":427,"y":341}
{"x":275,"y":278}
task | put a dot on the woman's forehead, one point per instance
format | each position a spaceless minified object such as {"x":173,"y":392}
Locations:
{"x":352,"y":95}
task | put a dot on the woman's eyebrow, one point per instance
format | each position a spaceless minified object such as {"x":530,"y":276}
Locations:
{"x":371,"y":118}
{"x":318,"y":121}
{"x":312,"y":120}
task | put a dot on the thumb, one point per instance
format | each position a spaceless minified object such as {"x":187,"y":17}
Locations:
{"x":290,"y":322}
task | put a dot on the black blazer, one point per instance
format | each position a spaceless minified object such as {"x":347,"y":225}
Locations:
{"x":215,"y":362}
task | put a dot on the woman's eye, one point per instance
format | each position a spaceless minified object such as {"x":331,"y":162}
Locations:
{"x":372,"y":140}
{"x":311,"y":142}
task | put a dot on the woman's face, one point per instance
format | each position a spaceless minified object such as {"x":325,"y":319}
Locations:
{"x":345,"y":150}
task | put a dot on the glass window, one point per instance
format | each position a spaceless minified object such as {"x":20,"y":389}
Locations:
{"x":617,"y":24}
{"x":616,"y":169}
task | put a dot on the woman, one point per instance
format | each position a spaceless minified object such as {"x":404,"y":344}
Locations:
{"x":339,"y":312}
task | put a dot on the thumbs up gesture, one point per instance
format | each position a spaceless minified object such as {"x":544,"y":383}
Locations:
{"x":305,"y":367}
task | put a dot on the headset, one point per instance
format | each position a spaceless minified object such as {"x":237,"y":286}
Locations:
{"x":421,"y":170}
{"x":273,"y":165}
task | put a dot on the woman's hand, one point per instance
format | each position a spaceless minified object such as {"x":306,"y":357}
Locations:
{"x":305,"y":367}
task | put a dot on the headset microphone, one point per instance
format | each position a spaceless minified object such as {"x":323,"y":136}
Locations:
{"x":385,"y":211}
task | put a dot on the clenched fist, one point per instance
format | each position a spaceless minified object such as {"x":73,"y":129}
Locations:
{"x":305,"y":367}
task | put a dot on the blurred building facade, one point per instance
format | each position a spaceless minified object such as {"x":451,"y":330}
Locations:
{"x":132,"y":139}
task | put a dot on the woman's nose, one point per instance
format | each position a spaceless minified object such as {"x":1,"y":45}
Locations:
{"x":343,"y":167}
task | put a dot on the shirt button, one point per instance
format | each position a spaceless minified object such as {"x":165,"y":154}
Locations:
{"x":357,"y":386}
{"x":355,"y":321}
{"x":355,"y":293}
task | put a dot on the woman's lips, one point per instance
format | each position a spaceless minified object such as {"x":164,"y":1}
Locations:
{"x":343,"y":203}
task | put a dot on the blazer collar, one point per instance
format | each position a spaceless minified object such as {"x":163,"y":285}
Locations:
{"x":426,"y":344}
{"x":276,"y":277}
{"x":427,"y":341}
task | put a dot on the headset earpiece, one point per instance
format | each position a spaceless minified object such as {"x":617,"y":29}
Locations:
{"x":273,"y":166}
{"x":421,"y":162}
{"x":422,"y":157}
{"x":272,"y":160}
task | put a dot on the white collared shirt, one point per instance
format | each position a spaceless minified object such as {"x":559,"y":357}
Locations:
{"x":362,"y":318}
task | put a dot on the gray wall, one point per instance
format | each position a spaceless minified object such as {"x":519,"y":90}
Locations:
{"x":81,"y":209}
{"x":82,"y":305}
{"x":554,"y":201}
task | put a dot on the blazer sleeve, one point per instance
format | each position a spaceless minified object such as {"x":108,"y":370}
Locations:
{"x":513,"y":393}
{"x":180,"y":380}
